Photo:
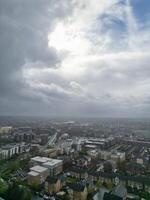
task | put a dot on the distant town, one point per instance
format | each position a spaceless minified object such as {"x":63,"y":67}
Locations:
{"x":74,"y":159}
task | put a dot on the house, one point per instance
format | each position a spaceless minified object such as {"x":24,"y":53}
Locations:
{"x":140,"y":182}
{"x":78,"y":191}
{"x":80,"y":173}
{"x":115,"y":156}
{"x":102,"y":177}
{"x":53,"y":184}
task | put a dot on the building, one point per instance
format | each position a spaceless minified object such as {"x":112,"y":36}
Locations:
{"x":139,"y":182}
{"x":140,"y":161}
{"x":10,"y":150}
{"x":52,"y":184}
{"x":105,"y":155}
{"x":102,"y":143}
{"x":115,"y":156}
{"x":34,"y":178}
{"x":93,"y":154}
{"x":78,"y":191}
{"x":5,"y":130}
{"x":66,"y":145}
{"x":118,"y":156}
{"x":35,"y":147}
{"x":51,"y":153}
{"x":44,"y":139}
{"x":26,"y":136}
{"x":120,"y":191}
{"x":78,"y":172}
{"x":37,"y":175}
{"x":54,"y":166}
{"x":38,"y":160}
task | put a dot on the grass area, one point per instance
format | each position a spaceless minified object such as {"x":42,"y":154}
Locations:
{"x":71,"y":180}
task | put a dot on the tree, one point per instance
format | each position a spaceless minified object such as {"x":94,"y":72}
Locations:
{"x":15,"y":165}
{"x":36,"y":187}
{"x":107,"y":167}
{"x":121,"y":165}
{"x":19,"y":192}
{"x":145,"y":195}
{"x":98,"y":184}
{"x":3,"y":188}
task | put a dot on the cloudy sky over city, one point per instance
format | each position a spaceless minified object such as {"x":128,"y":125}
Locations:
{"x":75,"y":57}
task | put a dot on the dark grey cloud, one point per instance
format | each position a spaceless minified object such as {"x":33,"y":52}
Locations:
{"x":24,"y":28}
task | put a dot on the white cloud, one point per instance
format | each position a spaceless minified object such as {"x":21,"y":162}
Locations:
{"x":104,"y":57}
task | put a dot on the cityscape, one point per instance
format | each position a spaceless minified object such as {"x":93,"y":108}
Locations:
{"x":55,"y":159}
{"x":74,"y":99}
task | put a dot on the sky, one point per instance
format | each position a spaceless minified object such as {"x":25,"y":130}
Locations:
{"x":75,"y":58}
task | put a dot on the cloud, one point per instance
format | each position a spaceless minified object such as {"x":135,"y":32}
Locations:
{"x":24,"y":29}
{"x":76,"y":57}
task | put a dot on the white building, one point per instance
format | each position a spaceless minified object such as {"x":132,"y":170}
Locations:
{"x":54,"y":166}
{"x":5,"y":129}
{"x":38,"y":160}
{"x":105,"y":155}
{"x":8,"y":151}
{"x":116,"y":156}
{"x":139,"y":161}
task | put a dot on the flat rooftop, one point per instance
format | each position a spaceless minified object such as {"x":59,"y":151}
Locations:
{"x":9,"y":146}
{"x":46,"y":161}
{"x":52,"y":162}
{"x":38,"y":169}
{"x":32,"y":173}
{"x":40,"y":159}
{"x":90,"y":146}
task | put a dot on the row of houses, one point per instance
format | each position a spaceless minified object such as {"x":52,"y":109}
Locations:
{"x":76,"y":190}
{"x":108,"y":155}
{"x":140,"y":182}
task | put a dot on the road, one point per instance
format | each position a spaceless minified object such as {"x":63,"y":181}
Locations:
{"x":52,"y":140}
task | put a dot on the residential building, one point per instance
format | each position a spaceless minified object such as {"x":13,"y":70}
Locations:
{"x":9,"y":150}
{"x":52,"y":184}
{"x":78,"y":191}
{"x":37,"y":174}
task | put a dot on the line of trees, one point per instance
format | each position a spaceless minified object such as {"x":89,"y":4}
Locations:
{"x":14,"y":191}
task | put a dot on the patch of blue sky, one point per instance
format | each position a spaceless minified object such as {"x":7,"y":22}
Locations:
{"x":113,"y":31}
{"x":141,"y":9}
